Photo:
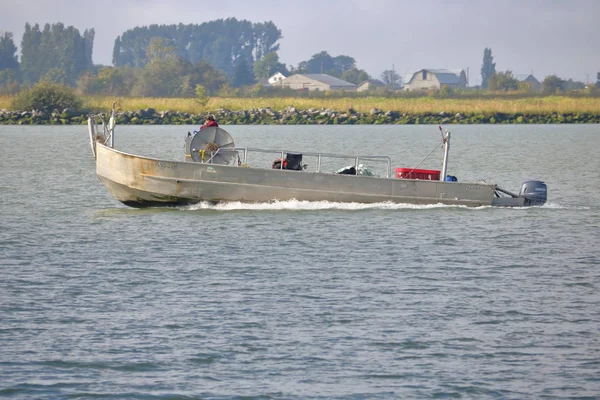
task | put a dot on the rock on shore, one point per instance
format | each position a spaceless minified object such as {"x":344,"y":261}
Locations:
{"x":291,"y":116}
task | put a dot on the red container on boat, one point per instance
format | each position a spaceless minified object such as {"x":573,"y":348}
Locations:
{"x":424,"y":174}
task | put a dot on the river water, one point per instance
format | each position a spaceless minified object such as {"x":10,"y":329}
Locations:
{"x":301,"y":300}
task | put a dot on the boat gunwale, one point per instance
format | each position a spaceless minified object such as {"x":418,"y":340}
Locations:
{"x":288,"y":171}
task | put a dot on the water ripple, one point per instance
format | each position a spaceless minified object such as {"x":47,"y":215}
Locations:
{"x":297,"y":300}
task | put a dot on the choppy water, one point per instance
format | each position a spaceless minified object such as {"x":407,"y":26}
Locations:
{"x":301,"y":300}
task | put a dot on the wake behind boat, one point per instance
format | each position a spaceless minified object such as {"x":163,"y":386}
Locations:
{"x":215,"y":170}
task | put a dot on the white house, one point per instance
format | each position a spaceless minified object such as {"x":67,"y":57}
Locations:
{"x":426,"y":79}
{"x":276,"y":78}
{"x":369,"y":84}
{"x":317,"y":82}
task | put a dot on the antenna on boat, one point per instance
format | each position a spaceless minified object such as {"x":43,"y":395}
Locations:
{"x":446,"y":141}
{"x":111,"y":125}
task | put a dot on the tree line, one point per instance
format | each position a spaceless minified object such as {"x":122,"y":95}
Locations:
{"x":55,"y":53}
{"x":223,"y":43}
{"x":160,"y":60}
{"x":226,"y":57}
{"x":504,"y":81}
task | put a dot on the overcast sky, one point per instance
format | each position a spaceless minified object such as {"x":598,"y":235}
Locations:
{"x":541,"y":36}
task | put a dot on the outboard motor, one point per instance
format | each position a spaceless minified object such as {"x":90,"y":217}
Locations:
{"x":534,"y":192}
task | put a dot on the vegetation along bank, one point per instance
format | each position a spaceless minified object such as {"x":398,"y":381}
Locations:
{"x":293,"y":116}
{"x":179,"y":74}
{"x":48,"y":103}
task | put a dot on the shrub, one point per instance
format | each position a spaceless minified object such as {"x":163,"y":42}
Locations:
{"x":201,"y":97}
{"x":46,"y":97}
{"x":9,"y":81}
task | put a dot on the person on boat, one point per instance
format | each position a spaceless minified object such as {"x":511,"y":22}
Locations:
{"x":210,"y":121}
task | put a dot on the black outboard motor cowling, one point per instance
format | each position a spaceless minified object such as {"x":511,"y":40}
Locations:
{"x":534,"y":192}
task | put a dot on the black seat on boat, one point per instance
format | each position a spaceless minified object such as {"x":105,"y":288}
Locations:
{"x":293,"y":161}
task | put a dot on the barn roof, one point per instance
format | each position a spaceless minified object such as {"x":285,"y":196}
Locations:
{"x":523,"y":77}
{"x":329,"y":80}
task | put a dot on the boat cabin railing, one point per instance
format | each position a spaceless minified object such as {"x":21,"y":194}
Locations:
{"x":246,"y":151}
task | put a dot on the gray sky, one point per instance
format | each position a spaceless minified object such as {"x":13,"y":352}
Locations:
{"x":541,"y":36}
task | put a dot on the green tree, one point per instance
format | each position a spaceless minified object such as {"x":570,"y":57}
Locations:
{"x":228,"y":91}
{"x":320,"y":63}
{"x":8,"y":50}
{"x":324,"y":63}
{"x":502,"y":81}
{"x":47,"y":97}
{"x":343,"y":63}
{"x":525,"y":87}
{"x":209,"y":77}
{"x":268,"y":65}
{"x":159,"y":76}
{"x":354,"y":75}
{"x":201,"y":95}
{"x":55,"y":75}
{"x":57,"y":47}
{"x":488,"y":68}
{"x":176,"y":77}
{"x":160,"y":50}
{"x":9,"y":81}
{"x":266,"y":36}
{"x":88,"y":83}
{"x":220,"y":43}
{"x":108,"y":81}
{"x":88,"y":48}
{"x":573,"y":85}
{"x":30,"y":59}
{"x":242,"y":74}
{"x":445,"y":92}
{"x":552,"y":84}
{"x":162,"y":79}
{"x":302,"y":68}
{"x":391,"y":79}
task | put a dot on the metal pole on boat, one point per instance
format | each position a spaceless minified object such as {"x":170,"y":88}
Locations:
{"x":111,"y":126}
{"x":92,"y":133}
{"x":446,"y":150}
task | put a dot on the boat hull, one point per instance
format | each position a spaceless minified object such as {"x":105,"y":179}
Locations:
{"x":145,"y":182}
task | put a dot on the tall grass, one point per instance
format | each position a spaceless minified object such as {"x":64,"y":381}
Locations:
{"x":419,"y":105}
{"x":5,"y":102}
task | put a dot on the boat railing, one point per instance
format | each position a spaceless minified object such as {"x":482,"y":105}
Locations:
{"x":101,"y":131}
{"x":319,"y":157}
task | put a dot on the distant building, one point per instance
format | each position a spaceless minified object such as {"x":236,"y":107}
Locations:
{"x":318,"y":82}
{"x":369,"y":84}
{"x":529,"y":79}
{"x":426,"y":79}
{"x":276,"y":78}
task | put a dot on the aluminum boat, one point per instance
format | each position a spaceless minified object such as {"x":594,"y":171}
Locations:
{"x":214,"y":170}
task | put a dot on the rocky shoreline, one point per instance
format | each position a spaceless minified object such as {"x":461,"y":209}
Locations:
{"x":292,"y":116}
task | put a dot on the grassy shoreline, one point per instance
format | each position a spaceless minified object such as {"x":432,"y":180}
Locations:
{"x":300,"y":111}
{"x":415,"y":106}
{"x":419,"y":106}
